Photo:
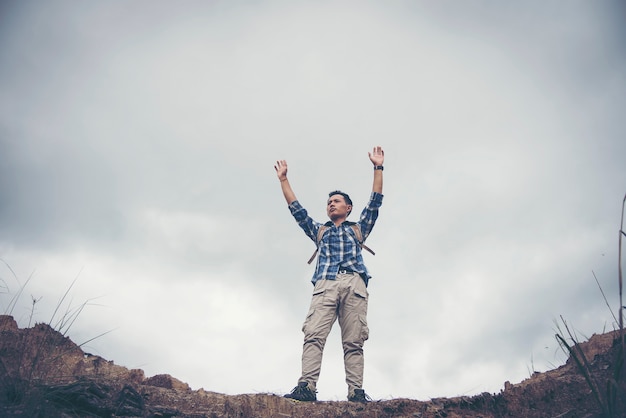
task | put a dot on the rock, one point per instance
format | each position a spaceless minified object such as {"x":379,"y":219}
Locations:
{"x":7,"y":323}
{"x":166,"y":381}
{"x":43,"y":373}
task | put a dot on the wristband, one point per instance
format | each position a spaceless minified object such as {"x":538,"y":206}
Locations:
{"x":379,"y":167}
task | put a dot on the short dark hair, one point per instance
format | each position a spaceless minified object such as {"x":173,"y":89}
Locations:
{"x":345,"y":196}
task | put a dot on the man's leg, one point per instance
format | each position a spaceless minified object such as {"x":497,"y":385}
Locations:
{"x":354,"y":331}
{"x":319,"y":321}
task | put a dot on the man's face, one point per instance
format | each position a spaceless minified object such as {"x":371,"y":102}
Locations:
{"x":337,"y":207}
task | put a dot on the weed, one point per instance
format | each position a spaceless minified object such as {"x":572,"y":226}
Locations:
{"x":610,"y":395}
{"x":37,"y":356}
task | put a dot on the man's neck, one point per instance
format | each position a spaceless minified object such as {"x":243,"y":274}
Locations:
{"x":338,"y":221}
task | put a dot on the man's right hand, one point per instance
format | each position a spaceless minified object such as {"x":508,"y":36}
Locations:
{"x":281,"y":169}
{"x":281,"y":172}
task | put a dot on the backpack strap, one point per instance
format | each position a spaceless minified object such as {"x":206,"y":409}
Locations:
{"x":357,"y":234}
{"x":320,"y":233}
{"x":359,"y":238}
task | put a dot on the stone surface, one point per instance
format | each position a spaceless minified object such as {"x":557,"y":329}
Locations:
{"x":43,"y":373}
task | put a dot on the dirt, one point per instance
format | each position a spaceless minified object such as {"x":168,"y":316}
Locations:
{"x":44,"y":374}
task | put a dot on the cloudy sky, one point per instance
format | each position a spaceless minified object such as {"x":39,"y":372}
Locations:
{"x":137,"y":143}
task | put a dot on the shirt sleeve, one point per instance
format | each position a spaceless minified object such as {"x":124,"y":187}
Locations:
{"x":370,"y":214}
{"x":308,"y":225}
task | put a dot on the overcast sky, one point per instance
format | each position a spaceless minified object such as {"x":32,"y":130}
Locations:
{"x":137,"y":143}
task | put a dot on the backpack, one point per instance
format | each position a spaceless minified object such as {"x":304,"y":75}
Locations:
{"x":357,"y":233}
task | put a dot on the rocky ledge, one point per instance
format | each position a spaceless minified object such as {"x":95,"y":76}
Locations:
{"x":43,"y":373}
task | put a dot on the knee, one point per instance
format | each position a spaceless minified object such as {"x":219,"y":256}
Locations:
{"x":315,"y":341}
{"x":350,"y":347}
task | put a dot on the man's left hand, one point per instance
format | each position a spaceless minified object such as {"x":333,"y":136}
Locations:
{"x":377,"y":156}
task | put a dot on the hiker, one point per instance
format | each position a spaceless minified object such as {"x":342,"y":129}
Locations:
{"x":340,"y":282}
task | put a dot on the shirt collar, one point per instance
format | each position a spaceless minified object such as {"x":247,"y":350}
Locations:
{"x":346,"y":223}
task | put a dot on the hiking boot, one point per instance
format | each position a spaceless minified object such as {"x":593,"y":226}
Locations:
{"x":359,"y":395}
{"x":302,"y":392}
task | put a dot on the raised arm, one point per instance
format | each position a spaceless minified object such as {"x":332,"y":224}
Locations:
{"x":377,"y":157}
{"x":281,"y":172}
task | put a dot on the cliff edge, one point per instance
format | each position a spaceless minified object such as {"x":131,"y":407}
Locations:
{"x":43,"y":373}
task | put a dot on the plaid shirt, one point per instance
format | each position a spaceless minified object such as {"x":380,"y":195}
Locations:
{"x":339,"y":246}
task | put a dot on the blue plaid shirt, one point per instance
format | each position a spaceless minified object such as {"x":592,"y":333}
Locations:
{"x":339,"y":246}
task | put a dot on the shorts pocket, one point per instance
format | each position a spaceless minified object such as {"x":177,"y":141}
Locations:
{"x":316,"y":300}
{"x":317,"y":292}
{"x":307,"y":320}
{"x":365,"y":331}
{"x":361,"y":293}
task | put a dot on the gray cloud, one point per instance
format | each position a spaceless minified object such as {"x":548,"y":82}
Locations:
{"x":137,"y":142}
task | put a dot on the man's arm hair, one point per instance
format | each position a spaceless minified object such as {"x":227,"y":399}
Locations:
{"x":377,"y":186}
{"x":290,"y":196}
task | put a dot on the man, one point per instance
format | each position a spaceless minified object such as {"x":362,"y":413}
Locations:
{"x":340,"y":281}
